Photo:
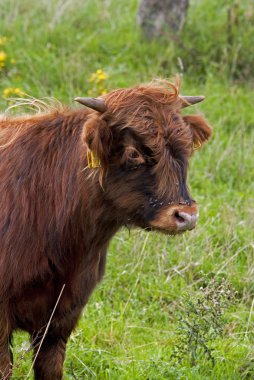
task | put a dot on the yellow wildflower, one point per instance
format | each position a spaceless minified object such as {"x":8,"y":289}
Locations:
{"x":3,"y":56}
{"x":98,"y":76}
{"x":18,"y":91}
{"x":12,"y":91}
{"x":3,"y":40}
{"x":102,"y":76}
{"x":98,"y":81}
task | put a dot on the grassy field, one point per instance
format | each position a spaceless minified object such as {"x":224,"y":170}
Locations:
{"x":133,"y":321}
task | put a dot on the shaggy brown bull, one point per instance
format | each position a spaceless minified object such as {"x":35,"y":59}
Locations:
{"x":69,"y":180}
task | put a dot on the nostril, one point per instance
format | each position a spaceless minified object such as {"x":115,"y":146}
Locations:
{"x":179,"y":217}
{"x":184,"y":220}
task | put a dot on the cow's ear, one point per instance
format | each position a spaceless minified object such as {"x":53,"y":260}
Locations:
{"x":201,"y":130}
{"x":98,"y":138}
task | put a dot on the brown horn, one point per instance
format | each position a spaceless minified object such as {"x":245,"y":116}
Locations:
{"x":94,"y":103}
{"x":190,"y":100}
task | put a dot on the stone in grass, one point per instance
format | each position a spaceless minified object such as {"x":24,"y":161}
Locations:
{"x":158,"y":17}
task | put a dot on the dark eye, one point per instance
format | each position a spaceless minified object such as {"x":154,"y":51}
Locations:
{"x":132,"y":158}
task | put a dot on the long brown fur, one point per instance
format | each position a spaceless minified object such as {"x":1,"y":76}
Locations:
{"x":56,"y":219}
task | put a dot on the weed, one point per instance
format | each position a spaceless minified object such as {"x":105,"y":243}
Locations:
{"x":201,"y":320}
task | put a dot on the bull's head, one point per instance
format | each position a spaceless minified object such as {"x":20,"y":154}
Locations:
{"x":143,"y":144}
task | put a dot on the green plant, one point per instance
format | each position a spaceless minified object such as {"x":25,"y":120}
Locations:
{"x":201,"y":320}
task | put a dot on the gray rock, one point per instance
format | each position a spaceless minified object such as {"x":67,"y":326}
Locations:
{"x":159,"y":17}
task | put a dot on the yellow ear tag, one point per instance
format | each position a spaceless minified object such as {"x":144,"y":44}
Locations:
{"x":92,"y":160}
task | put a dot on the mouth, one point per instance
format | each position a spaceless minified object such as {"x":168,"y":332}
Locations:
{"x":165,"y":231}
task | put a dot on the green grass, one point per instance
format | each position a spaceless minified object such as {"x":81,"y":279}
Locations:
{"x":128,"y":328}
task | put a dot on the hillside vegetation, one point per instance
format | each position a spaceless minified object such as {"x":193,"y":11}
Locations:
{"x":168,"y":308}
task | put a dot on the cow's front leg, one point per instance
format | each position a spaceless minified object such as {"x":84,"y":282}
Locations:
{"x":50,"y":358}
{"x":5,"y":350}
{"x":51,"y":353}
{"x":5,"y":360}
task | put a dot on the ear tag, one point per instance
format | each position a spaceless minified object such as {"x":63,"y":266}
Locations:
{"x":92,"y":160}
{"x":197,"y":146}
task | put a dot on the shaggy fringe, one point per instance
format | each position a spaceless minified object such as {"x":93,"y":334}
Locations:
{"x":36,"y":105}
{"x":33,"y":108}
{"x":160,"y":91}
